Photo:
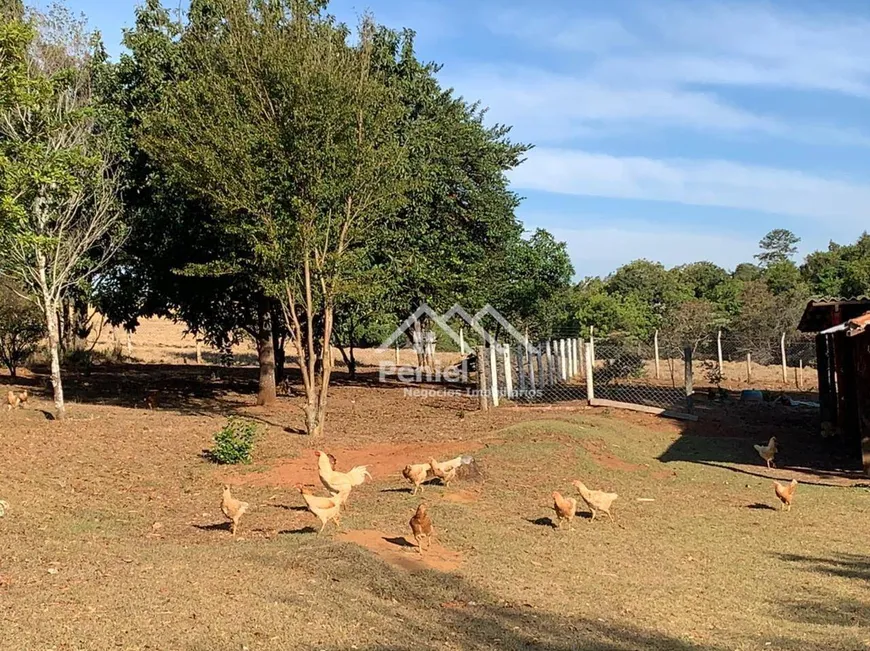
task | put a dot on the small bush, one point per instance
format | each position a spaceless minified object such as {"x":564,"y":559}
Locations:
{"x":235,"y":442}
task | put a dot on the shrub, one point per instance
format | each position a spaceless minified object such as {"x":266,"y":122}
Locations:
{"x":235,"y":442}
{"x":21,"y":328}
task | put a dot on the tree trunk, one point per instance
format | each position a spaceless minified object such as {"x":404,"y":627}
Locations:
{"x":50,"y":305}
{"x":266,"y":355}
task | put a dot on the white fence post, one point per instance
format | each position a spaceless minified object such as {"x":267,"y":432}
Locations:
{"x":563,"y":360}
{"x":541,"y":377}
{"x":569,"y":355}
{"x":581,"y":355}
{"x":656,"y":349}
{"x":590,"y":367}
{"x":527,"y":357}
{"x":508,"y":375}
{"x":575,"y":362}
{"x":493,"y":375}
{"x":461,"y":341}
{"x":719,"y":350}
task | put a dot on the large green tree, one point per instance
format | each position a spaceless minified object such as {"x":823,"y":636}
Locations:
{"x":61,"y":220}
{"x":289,"y":131}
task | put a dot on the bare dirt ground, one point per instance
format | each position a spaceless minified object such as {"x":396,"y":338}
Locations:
{"x":114,"y":537}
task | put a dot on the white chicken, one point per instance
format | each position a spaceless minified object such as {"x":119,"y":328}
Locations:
{"x":339,"y":483}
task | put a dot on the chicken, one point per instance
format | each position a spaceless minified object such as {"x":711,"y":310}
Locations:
{"x":767,"y":452}
{"x":417,"y":473}
{"x":565,"y":508}
{"x":339,"y":483}
{"x":15,"y":400}
{"x":421,"y":527}
{"x":785,"y":493}
{"x":324,"y":508}
{"x":595,"y":500}
{"x":232,"y":508}
{"x":445,"y":471}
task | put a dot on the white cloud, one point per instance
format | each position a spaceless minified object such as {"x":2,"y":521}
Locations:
{"x":548,"y":105}
{"x":703,"y":183}
{"x":599,"y":250}
{"x":719,"y":43}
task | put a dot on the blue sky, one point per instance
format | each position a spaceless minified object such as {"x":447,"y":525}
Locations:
{"x":673,"y":131}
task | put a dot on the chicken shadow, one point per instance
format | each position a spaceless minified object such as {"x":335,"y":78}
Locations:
{"x":542,"y":522}
{"x":296,"y":532}
{"x":288,"y":507}
{"x":758,"y":506}
{"x":217,"y":526}
{"x":400,"y":541}
{"x":397,"y":490}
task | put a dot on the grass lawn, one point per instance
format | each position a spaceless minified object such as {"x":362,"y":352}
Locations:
{"x":114,"y":538}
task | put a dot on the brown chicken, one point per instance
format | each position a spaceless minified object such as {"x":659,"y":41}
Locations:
{"x":767,"y":452}
{"x":595,"y":500}
{"x":421,"y":527}
{"x":232,"y":508}
{"x":417,"y":473}
{"x":565,"y":508}
{"x":785,"y":493}
{"x":324,"y":508}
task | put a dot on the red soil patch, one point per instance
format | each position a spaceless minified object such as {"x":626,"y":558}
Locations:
{"x":597,"y":449}
{"x":382,"y":460}
{"x":401,"y":552}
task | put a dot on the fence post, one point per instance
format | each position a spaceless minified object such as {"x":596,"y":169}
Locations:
{"x":199,"y":351}
{"x":592,"y":341}
{"x":590,"y":381}
{"x":397,"y":356}
{"x":560,"y":359}
{"x":784,"y":361}
{"x":719,"y":350}
{"x":690,"y":383}
{"x":551,"y":376}
{"x":493,"y":375}
{"x":529,"y":359}
{"x":577,"y":362}
{"x":508,"y":372}
{"x":566,"y":361}
{"x":540,"y":356}
{"x":569,"y":342}
{"x":481,"y":378}
{"x":800,"y":377}
{"x":749,"y":367}
{"x":656,"y":349}
{"x":461,"y":341}
{"x":581,"y":356}
{"x":129,"y":343}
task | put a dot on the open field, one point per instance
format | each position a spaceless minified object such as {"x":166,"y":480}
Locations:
{"x":114,"y":538}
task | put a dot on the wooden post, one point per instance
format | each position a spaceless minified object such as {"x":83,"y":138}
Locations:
{"x":129,"y":343}
{"x":551,"y":375}
{"x":581,"y":356}
{"x":493,"y":375}
{"x":590,"y":366}
{"x":719,"y":350}
{"x":800,"y":377}
{"x":592,"y":343}
{"x":656,"y":351}
{"x":519,"y":358}
{"x":749,"y":367}
{"x":199,"y":351}
{"x":461,"y":341}
{"x":784,"y":361}
{"x":481,"y":378}
{"x":397,"y":357}
{"x":690,"y":383}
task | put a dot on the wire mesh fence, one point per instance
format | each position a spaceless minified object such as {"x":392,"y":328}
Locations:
{"x":651,"y":375}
